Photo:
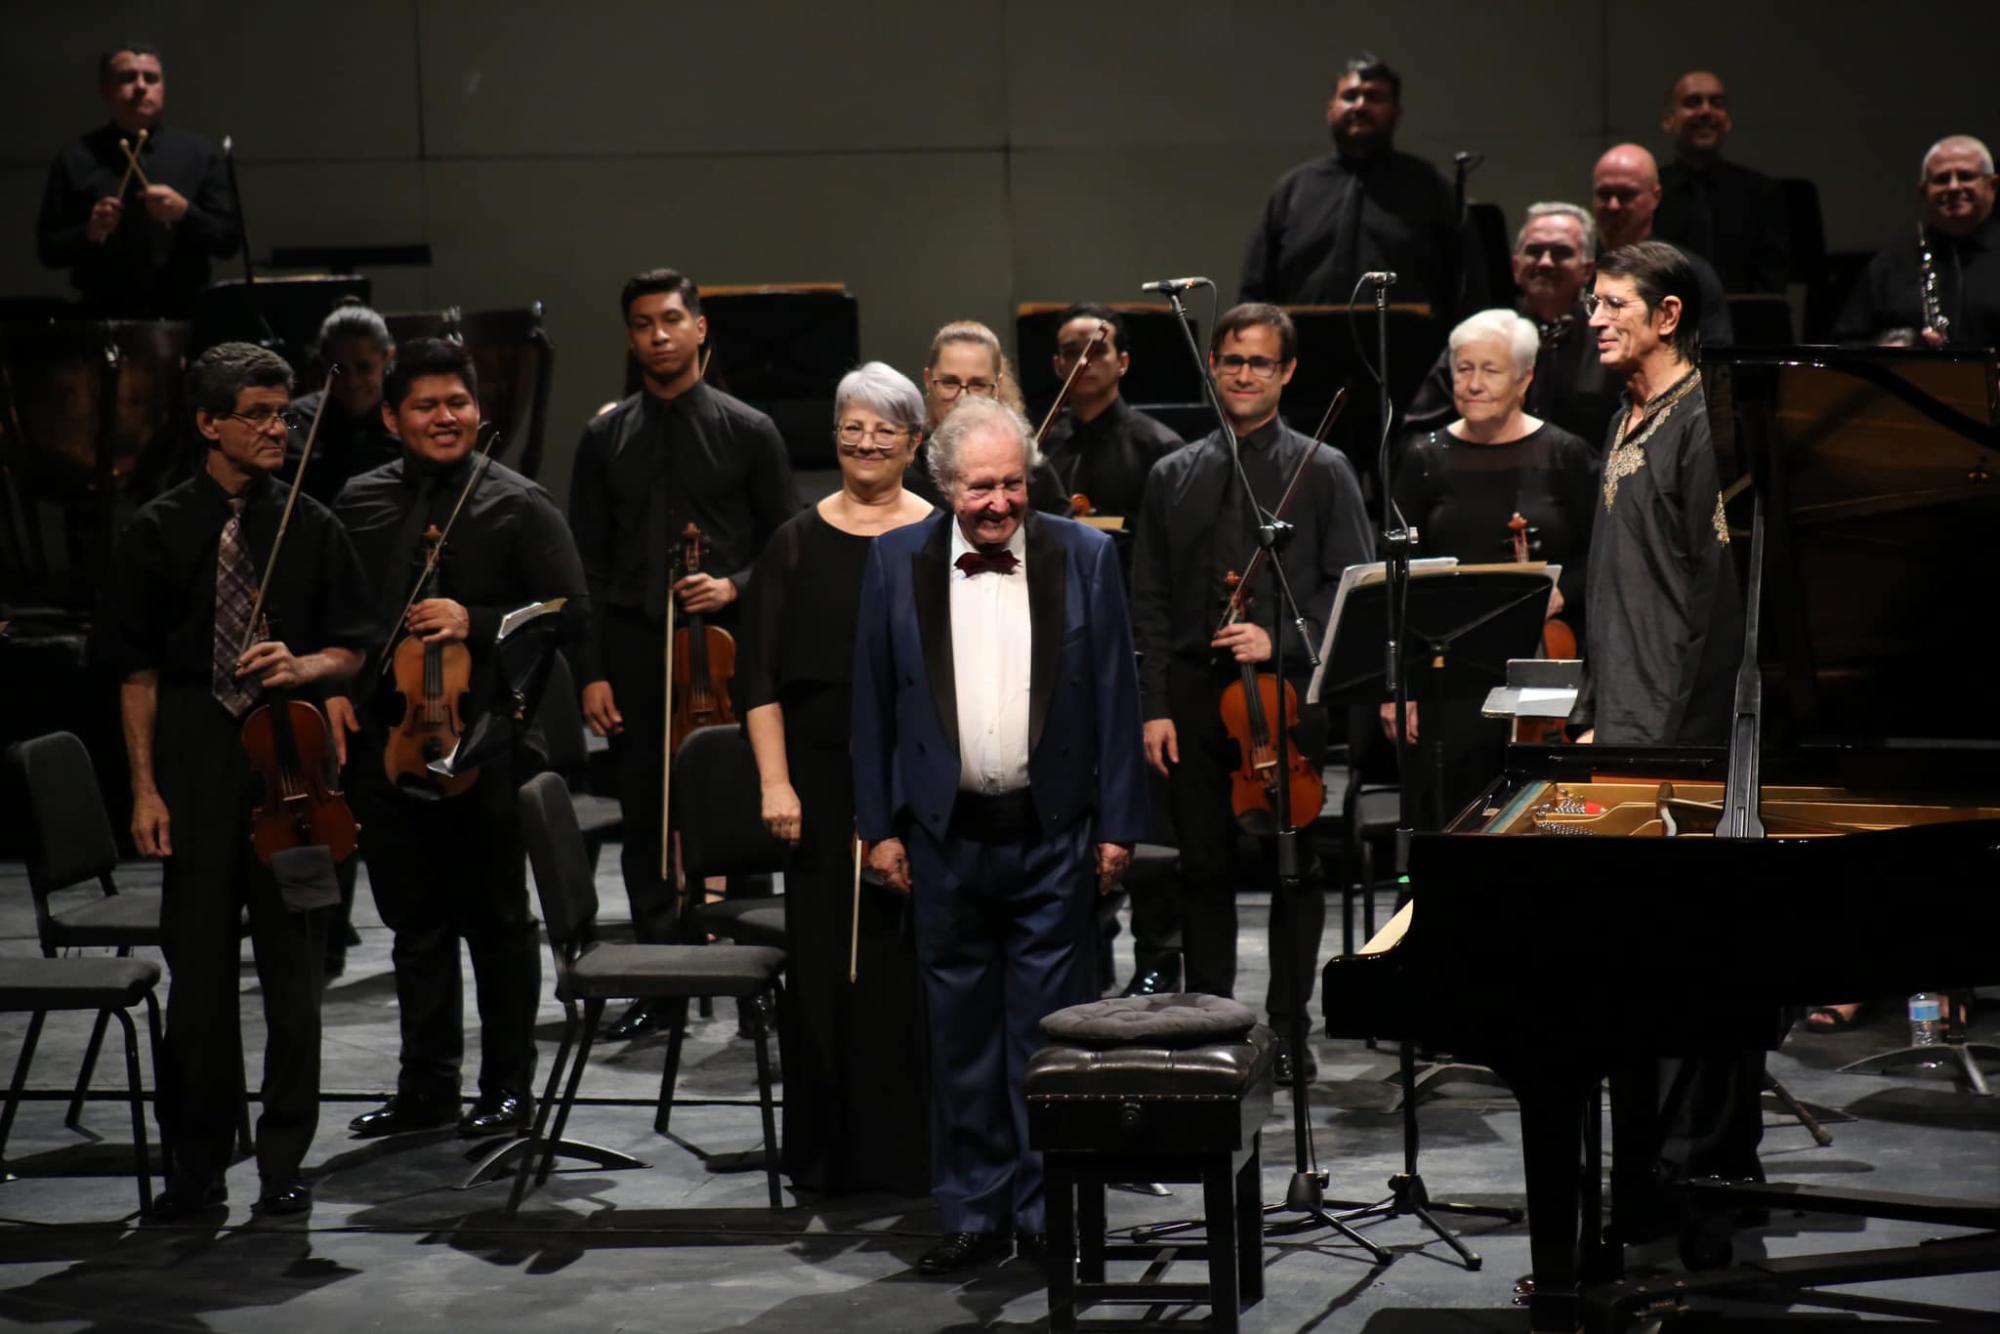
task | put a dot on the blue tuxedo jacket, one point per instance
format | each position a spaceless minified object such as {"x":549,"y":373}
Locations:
{"x":1086,"y":754}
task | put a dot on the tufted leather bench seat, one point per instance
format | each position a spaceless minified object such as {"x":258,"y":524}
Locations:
{"x":1152,"y":1088}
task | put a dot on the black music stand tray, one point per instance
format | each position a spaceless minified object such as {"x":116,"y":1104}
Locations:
{"x":1465,"y":623}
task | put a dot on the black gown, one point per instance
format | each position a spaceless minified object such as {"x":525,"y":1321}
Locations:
{"x":856,"y":1091}
{"x":1460,"y":496}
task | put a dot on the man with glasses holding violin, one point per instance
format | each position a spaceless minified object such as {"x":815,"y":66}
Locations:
{"x":1196,"y":529}
{"x":676,"y":452}
{"x":175,"y":611}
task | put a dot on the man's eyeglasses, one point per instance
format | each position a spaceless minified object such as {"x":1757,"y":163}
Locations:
{"x":258,"y":420}
{"x":882,"y":439}
{"x":1264,"y":368}
{"x":1615,"y":304}
{"x":950,"y":386}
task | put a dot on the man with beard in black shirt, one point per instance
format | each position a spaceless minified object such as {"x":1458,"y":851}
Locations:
{"x":1963,"y":237}
{"x":1196,"y":526}
{"x":1366,"y":207}
{"x":1731,"y":216}
{"x":136,"y":249}
{"x":449,"y":865}
{"x":675,"y":452}
{"x":175,"y":610}
{"x":1554,"y":262}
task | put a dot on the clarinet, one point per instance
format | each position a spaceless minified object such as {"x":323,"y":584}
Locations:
{"x":1935,"y":319}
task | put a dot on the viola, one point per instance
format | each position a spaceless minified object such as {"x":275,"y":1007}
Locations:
{"x":1257,"y":787}
{"x":432,"y":680}
{"x":302,"y":807}
{"x":1558,"y":641}
{"x":704,"y":660}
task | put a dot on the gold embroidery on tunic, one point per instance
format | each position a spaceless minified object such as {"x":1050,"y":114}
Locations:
{"x":1628,"y":455}
{"x":1721,"y":521}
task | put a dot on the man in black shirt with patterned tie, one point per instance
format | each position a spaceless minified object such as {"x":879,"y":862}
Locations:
{"x":677,"y":452}
{"x":1366,"y":207}
{"x":175,"y":611}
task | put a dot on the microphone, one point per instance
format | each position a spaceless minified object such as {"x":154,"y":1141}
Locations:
{"x":1379,"y":278}
{"x":1175,"y":285}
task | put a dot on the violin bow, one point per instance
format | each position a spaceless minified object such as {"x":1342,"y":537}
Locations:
{"x":1062,"y":395}
{"x":480,"y":463}
{"x":285,"y":523}
{"x":854,"y":926}
{"x":1256,"y":565}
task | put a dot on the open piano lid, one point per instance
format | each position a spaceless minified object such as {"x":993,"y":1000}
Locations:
{"x":1878,"y":473}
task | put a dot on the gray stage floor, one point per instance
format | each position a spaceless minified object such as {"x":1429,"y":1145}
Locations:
{"x":392,"y":1243}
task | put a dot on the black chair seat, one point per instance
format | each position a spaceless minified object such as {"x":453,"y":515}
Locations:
{"x":75,"y":984}
{"x":654,"y":972}
{"x":130,"y":918}
{"x":745,"y":921}
{"x":595,"y":814}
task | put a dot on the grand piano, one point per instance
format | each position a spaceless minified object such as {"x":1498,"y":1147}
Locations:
{"x":1598,"y":904}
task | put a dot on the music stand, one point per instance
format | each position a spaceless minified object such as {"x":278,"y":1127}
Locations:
{"x":1463,"y":625}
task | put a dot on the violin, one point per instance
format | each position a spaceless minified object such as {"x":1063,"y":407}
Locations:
{"x":704,"y":660}
{"x":1256,"y":787}
{"x":432,"y":679}
{"x":286,"y":739}
{"x":1558,"y":641}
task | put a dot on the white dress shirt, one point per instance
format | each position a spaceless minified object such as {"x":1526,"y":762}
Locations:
{"x":990,"y":639}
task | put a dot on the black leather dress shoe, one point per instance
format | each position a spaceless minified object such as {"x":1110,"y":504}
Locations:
{"x":184,"y":1200}
{"x":1285,"y":1074}
{"x":292,"y":1198}
{"x":497,"y":1114}
{"x":1161,"y":981}
{"x":962,"y":1250}
{"x":401,"y":1116}
{"x":643,"y":1018}
{"x":1032,"y":1246}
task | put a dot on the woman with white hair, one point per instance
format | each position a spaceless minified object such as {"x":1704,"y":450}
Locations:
{"x":855,"y":1089}
{"x":1460,"y":486}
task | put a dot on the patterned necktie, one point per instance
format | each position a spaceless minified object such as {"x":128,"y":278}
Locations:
{"x":235,"y":592}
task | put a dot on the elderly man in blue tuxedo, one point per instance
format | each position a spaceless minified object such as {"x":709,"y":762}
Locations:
{"x":999,"y":773}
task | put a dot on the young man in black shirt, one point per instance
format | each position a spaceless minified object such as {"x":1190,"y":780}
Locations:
{"x":1099,"y":445}
{"x":174,"y":612}
{"x":141,"y":251}
{"x":446,"y":866}
{"x":1366,"y":207}
{"x":676,"y":452}
{"x":1196,"y":525}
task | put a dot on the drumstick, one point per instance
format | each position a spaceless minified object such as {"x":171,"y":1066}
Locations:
{"x":132,"y":163}
{"x":854,"y":930}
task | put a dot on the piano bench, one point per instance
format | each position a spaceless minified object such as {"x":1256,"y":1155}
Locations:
{"x":1145,"y":1089}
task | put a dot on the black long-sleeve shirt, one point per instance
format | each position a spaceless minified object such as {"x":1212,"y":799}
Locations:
{"x":157,"y":609}
{"x":1888,"y":297}
{"x":650,"y":466}
{"x":1730,"y":215}
{"x":510,"y":547}
{"x":1194,"y":525}
{"x":145,"y":268}
{"x":345,"y":447}
{"x":1335,"y":218}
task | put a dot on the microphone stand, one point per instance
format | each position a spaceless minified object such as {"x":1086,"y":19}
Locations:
{"x":1407,"y":1194}
{"x":1304,"y":1207}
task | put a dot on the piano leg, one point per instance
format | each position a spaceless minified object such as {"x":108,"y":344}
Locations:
{"x":1553,"y":1105}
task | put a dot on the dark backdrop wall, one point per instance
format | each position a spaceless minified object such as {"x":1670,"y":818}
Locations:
{"x":942,"y":161}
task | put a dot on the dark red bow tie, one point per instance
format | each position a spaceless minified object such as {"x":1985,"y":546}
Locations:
{"x":978,"y":562}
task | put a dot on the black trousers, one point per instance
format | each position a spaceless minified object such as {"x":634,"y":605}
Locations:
{"x":444,"y":871}
{"x":212,"y":877}
{"x":1715,"y":1131}
{"x":1210,"y":868}
{"x":635,"y":664}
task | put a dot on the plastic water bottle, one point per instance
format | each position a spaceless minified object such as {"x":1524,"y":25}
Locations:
{"x":1926,"y":1019}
